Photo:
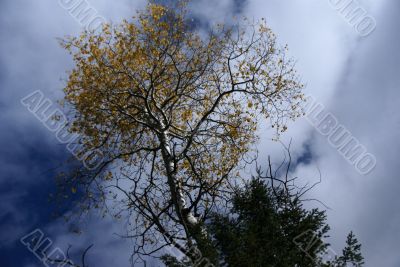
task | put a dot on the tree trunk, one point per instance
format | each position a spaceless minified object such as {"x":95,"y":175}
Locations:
{"x":188,"y":220}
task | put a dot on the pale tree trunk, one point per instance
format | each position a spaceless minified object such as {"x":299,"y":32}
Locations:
{"x":189,"y":221}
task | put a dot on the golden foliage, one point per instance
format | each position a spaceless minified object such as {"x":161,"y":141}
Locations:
{"x":154,"y":75}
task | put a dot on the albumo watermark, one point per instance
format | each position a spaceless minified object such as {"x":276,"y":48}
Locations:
{"x":56,"y":122}
{"x":84,"y":13}
{"x":355,"y":15}
{"x":41,"y":247}
{"x":310,"y":243}
{"x":339,"y":137}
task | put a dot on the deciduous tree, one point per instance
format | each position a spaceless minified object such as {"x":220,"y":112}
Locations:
{"x":175,"y":113}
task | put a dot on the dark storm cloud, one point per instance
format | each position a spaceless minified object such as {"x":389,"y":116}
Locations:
{"x":30,"y":59}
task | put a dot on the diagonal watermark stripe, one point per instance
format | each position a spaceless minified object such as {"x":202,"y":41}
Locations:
{"x":355,"y":15}
{"x":339,"y":137}
{"x":84,"y":13}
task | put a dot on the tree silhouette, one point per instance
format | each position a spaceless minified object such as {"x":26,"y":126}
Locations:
{"x":174,"y":112}
{"x":351,"y":254}
{"x":268,"y":226}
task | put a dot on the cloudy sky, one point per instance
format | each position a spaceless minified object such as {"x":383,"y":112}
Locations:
{"x":355,"y":77}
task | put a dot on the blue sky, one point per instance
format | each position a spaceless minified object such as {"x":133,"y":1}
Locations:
{"x":356,"y":78}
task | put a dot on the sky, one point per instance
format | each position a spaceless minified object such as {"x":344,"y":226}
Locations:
{"x":354,"y":77}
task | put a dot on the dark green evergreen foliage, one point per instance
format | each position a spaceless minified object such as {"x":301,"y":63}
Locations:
{"x":268,"y":226}
{"x":351,"y":254}
{"x":171,"y":261}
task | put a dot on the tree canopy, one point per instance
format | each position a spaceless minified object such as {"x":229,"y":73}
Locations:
{"x":174,"y":112}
